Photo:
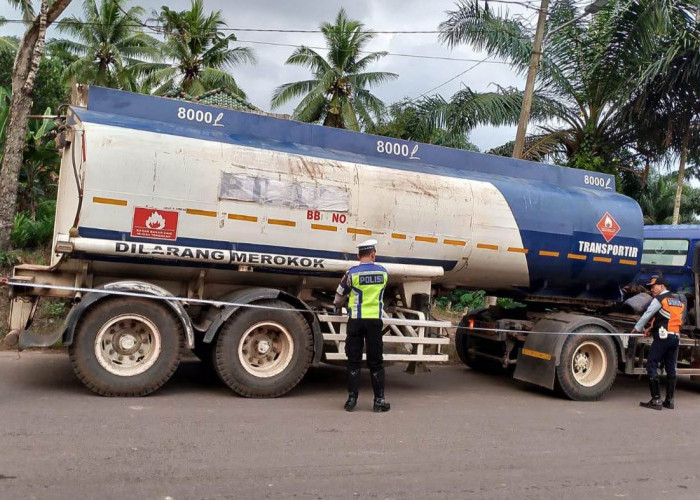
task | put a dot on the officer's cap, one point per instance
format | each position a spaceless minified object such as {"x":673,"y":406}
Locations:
{"x":656,"y":280}
{"x":367,"y":245}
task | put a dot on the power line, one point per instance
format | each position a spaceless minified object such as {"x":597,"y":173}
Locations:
{"x":259,"y":30}
{"x":425,"y":94}
{"x":159,"y":29}
{"x":395,"y":54}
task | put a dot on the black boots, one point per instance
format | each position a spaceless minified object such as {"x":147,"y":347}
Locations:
{"x":380,"y":404}
{"x":655,"y":401}
{"x":353,"y":389}
{"x":670,"y":392}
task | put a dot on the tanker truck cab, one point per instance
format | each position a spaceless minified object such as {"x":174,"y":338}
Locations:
{"x":668,"y":250}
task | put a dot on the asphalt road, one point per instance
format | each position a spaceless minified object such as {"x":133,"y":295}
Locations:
{"x":452,"y":433}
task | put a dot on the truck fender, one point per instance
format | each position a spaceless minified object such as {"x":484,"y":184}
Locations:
{"x":541,"y":353}
{"x":251,"y":295}
{"x":139,"y":287}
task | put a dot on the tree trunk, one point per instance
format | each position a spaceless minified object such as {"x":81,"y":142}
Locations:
{"x":645,"y":175}
{"x":24,"y":72}
{"x":681,"y":175}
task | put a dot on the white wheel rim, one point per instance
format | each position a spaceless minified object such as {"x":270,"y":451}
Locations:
{"x":589,"y":364}
{"x":128,"y":345}
{"x":266,"y":349}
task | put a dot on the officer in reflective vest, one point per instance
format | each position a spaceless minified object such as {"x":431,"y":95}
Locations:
{"x":365,"y":283}
{"x":666,"y":312}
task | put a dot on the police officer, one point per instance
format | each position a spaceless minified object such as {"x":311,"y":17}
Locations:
{"x":365,"y":283}
{"x":666,"y":312}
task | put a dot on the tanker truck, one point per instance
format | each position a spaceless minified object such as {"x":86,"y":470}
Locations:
{"x":181,"y":226}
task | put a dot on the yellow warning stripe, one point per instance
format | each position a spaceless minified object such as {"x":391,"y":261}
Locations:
{"x":368,"y":232}
{"x":282,"y":222}
{"x":354,"y":230}
{"x":458,"y":243}
{"x":245,"y":218}
{"x":323,"y":227}
{"x":426,"y":239}
{"x":537,"y":354}
{"x":484,"y":246}
{"x":108,"y":201}
{"x":196,"y":211}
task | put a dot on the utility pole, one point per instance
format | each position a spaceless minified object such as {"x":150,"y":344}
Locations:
{"x":592,"y":8}
{"x":530,"y":83}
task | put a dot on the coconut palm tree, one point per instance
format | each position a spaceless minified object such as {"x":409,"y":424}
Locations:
{"x":9,"y":44}
{"x":669,"y":97}
{"x":25,"y":6}
{"x":337,"y":94}
{"x":107,"y":43}
{"x":198,"y":53}
{"x":657,"y":200}
{"x":586,"y":80}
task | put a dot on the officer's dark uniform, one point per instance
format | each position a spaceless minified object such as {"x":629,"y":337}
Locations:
{"x":666,"y":312}
{"x":365,"y":283}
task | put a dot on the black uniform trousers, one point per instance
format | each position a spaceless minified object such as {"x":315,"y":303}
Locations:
{"x":663,"y":351}
{"x":369,"y":333}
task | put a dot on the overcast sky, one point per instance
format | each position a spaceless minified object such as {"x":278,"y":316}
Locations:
{"x":416,"y":76}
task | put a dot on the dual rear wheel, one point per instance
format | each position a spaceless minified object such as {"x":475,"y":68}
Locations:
{"x":132,"y":346}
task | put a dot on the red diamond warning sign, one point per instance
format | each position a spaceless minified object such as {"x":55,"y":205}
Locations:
{"x":153,"y":223}
{"x":608,"y":227}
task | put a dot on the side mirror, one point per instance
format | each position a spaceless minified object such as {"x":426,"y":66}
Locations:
{"x":696,"y":258}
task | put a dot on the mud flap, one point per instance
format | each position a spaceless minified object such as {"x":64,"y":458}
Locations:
{"x":31,"y":339}
{"x":538,"y":359}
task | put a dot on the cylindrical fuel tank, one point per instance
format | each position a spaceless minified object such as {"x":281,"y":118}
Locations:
{"x":176,"y":173}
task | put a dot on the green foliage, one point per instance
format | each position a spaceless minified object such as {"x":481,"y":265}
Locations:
{"x":31,"y":233}
{"x":414,"y":122}
{"x":589,"y":78}
{"x":105,"y":45}
{"x":462,"y":300}
{"x":54,"y":309}
{"x":9,"y":259}
{"x":338,"y":94}
{"x":198,"y":53}
{"x":49,"y":91}
{"x":39,"y":173}
{"x":658,"y":197}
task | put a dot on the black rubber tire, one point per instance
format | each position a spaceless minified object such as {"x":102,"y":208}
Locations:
{"x":95,"y":377}
{"x":464,"y":342}
{"x":232,"y":372}
{"x":567,"y":385}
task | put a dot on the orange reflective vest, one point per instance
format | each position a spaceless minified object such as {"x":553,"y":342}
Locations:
{"x":670,"y":316}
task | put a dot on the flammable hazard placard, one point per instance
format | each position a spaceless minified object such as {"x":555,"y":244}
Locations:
{"x":154,"y":223}
{"x":608,"y":227}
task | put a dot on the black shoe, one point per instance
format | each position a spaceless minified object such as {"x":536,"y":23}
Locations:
{"x":670,"y":391}
{"x":351,"y":403}
{"x":653,"y":404}
{"x":380,"y":405}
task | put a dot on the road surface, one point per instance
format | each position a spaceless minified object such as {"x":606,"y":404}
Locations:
{"x":452,"y":433}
